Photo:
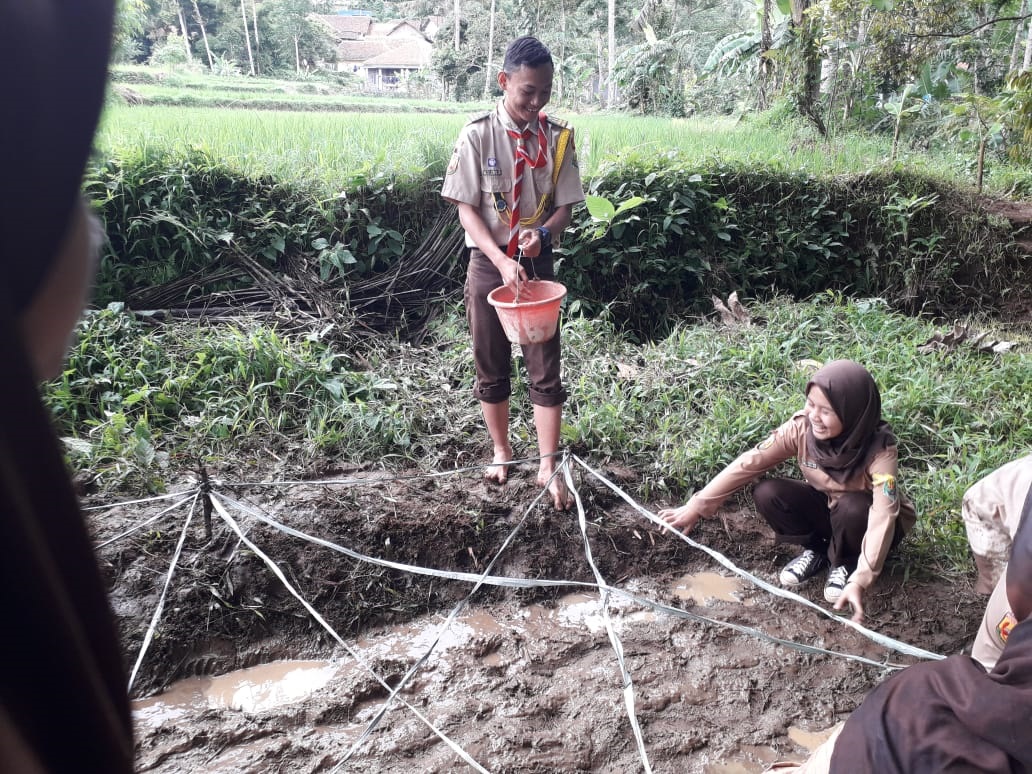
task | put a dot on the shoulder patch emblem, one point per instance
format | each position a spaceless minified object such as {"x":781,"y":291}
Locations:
{"x":886,"y":482}
{"x":1003,"y":628}
{"x":767,"y":443}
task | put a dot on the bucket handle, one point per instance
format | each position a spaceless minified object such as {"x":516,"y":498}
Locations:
{"x":519,"y":262}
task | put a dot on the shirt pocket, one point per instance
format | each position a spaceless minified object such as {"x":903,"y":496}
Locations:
{"x":543,"y":180}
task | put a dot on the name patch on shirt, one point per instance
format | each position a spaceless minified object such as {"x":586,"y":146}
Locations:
{"x":886,"y":482}
{"x":809,"y":464}
{"x":488,"y":172}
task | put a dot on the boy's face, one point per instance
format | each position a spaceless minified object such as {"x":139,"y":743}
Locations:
{"x":527,"y":90}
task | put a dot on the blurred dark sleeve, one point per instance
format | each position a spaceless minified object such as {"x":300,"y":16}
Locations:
{"x":1019,"y":569}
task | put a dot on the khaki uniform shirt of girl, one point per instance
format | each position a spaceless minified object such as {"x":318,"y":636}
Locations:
{"x":482,"y":167}
{"x":878,"y":476}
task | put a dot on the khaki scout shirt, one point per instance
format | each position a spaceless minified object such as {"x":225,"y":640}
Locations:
{"x":878,"y":476}
{"x":992,"y":511}
{"x":483,"y":163}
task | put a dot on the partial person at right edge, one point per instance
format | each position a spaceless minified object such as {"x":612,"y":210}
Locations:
{"x":992,"y":509}
{"x":949,"y":716}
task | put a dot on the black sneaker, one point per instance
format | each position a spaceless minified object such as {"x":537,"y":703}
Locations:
{"x":837,"y":579}
{"x":802,"y":568}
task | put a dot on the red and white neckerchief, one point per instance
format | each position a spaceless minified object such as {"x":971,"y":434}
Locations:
{"x":522,"y":158}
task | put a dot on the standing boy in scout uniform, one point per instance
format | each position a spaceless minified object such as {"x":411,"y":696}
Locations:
{"x":515,"y":148}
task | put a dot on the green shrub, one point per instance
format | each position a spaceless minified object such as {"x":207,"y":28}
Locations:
{"x":186,"y":216}
{"x":712,"y":227}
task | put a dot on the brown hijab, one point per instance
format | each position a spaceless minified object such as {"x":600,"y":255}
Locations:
{"x":854,"y":396}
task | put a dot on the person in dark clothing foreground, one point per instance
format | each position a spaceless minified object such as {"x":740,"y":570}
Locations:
{"x":950,"y":715}
{"x":63,"y":701}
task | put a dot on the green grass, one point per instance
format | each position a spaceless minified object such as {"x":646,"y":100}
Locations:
{"x":335,"y":146}
{"x":324,"y":150}
{"x":142,"y":404}
{"x":218,"y":97}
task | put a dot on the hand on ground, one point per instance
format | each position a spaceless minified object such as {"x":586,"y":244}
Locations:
{"x":684,"y":518}
{"x":852,"y":594}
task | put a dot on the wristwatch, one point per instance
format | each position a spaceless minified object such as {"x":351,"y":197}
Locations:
{"x":545,"y":235}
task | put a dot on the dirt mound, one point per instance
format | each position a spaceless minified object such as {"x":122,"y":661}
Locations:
{"x":534,"y":690}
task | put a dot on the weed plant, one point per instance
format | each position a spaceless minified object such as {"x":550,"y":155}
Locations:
{"x":139,"y":405}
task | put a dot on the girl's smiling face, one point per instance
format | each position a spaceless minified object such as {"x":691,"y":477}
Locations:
{"x":527,"y":91}
{"x":823,"y":419}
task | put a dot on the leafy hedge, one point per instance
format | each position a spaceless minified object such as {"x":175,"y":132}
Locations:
{"x":714,"y":227}
{"x":169,"y":217}
{"x":703,"y":228}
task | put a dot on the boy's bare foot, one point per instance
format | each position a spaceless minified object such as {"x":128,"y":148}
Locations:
{"x":498,"y":471}
{"x":561,"y":497}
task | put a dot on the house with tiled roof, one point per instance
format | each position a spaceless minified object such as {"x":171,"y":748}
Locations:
{"x":347,"y":27}
{"x":383,"y":52}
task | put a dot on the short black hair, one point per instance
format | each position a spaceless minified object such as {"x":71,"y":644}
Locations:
{"x":526,"y":51}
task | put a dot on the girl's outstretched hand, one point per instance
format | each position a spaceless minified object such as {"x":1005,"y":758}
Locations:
{"x":852,"y":594}
{"x":684,"y":518}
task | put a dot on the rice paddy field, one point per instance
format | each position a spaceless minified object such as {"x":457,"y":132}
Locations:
{"x":332,"y":148}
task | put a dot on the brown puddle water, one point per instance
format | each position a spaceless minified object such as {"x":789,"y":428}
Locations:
{"x":705,"y":586}
{"x":270,"y":686}
{"x":248,"y":690}
{"x":753,"y":759}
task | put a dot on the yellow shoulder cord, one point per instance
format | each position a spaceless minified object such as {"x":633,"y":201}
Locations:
{"x":560,"y":153}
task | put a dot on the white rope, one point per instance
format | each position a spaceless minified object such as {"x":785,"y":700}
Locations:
{"x":164,"y":592}
{"x":510,"y":582}
{"x":468,"y":577}
{"x":881,"y":639}
{"x":215,"y":500}
{"x":136,"y":502}
{"x":628,"y":683}
{"x":677,"y":612}
{"x":148,"y":522}
{"x":442,"y":629}
{"x":383,"y":479}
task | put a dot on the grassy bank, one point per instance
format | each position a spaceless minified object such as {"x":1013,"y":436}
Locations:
{"x":140,"y":405}
{"x":749,"y":205}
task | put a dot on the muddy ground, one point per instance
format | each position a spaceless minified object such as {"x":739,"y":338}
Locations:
{"x":527,"y":679}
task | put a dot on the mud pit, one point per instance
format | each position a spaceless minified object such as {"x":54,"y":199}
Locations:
{"x":524,"y":679}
